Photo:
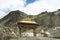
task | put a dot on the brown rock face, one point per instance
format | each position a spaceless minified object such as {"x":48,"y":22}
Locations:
{"x":8,"y":25}
{"x":9,"y":29}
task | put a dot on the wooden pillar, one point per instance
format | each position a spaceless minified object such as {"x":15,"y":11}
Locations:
{"x":20,"y":32}
{"x":34,"y":32}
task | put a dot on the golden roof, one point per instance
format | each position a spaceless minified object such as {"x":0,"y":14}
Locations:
{"x":28,"y":20}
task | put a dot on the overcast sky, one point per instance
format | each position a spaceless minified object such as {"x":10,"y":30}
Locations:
{"x":31,"y":7}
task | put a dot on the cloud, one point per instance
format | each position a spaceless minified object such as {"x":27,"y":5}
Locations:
{"x":34,"y":7}
{"x":8,"y":5}
{"x":2,"y":14}
{"x":42,"y":5}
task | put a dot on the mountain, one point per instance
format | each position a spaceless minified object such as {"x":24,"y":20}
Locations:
{"x":12,"y":18}
{"x":48,"y":19}
{"x":8,"y":25}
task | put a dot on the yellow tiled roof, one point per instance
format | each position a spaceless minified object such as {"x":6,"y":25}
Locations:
{"x":28,"y":20}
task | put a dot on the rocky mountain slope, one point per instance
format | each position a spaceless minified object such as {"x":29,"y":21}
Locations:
{"x":46,"y":20}
{"x":12,"y":18}
{"x":8,"y":28}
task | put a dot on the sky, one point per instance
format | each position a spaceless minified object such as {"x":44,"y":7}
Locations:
{"x":30,"y":7}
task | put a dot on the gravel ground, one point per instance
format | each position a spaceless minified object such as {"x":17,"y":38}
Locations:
{"x":36,"y":38}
